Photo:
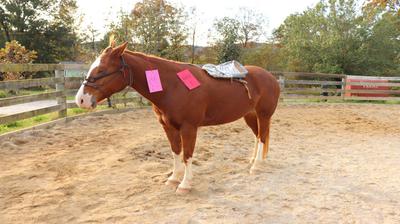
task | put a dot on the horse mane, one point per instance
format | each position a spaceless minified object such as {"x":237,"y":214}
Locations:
{"x":153,"y":57}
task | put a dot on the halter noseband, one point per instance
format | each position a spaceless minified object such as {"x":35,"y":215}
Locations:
{"x":91,"y":81}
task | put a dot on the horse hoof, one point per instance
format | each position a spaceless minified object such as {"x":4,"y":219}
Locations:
{"x":182,"y":191}
{"x":256,"y":168}
{"x":172,"y":183}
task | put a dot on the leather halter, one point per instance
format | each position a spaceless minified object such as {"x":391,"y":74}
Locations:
{"x":91,"y":81}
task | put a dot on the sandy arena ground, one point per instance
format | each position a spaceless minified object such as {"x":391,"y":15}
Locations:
{"x":327,"y":164}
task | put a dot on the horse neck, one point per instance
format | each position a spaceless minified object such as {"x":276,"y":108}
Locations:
{"x":139,"y":64}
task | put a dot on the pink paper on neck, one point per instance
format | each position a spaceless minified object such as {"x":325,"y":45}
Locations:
{"x":188,"y":79}
{"x":153,"y":81}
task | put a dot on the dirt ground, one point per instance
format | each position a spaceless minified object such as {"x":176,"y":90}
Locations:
{"x":328,"y":163}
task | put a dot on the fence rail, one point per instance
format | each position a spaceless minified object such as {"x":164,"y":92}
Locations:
{"x":41,"y":67}
{"x":294,"y":86}
{"x":20,"y":84}
{"x":29,"y":98}
{"x":373,"y":84}
{"x":311,"y":82}
{"x":28,"y":114}
{"x":307,"y":74}
{"x":300,"y":86}
{"x":62,"y":88}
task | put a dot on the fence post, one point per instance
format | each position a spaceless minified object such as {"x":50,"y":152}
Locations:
{"x":282,"y":86}
{"x":343,"y":88}
{"x":62,"y":99}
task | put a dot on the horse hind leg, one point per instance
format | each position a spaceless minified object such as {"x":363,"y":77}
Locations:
{"x":263,"y":144}
{"x":264,"y":136}
{"x":251,"y":121}
{"x":266,"y":143}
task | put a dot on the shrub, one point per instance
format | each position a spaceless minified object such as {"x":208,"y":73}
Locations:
{"x":15,"y":53}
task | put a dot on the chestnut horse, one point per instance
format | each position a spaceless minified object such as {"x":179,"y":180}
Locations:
{"x":182,"y":111}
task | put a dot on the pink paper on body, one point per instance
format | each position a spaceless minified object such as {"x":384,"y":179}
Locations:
{"x":188,"y":79}
{"x":153,"y":81}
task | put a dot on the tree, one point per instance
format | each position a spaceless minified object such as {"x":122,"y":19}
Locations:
{"x":14,"y":53}
{"x":193,"y":25}
{"x":334,"y":37}
{"x":386,"y":5}
{"x":251,"y":25}
{"x":267,"y":55}
{"x":207,"y":55}
{"x":122,"y":28}
{"x":62,"y":33}
{"x":159,"y":29}
{"x":4,"y":22}
{"x":33,"y":21}
{"x":382,"y":47}
{"x":90,"y":47}
{"x":91,"y":36}
{"x":177,"y":37}
{"x":227,"y":44}
{"x":234,"y":34}
{"x":301,"y":37}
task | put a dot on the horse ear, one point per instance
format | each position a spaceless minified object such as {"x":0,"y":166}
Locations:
{"x":112,"y":41}
{"x":120,"y":49}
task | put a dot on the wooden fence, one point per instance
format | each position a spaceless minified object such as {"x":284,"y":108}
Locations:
{"x":320,"y":86}
{"x":59,"y":93}
{"x":294,"y":86}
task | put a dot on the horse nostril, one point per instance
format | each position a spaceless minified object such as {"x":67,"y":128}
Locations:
{"x":81,"y":101}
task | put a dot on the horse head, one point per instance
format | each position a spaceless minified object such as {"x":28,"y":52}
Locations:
{"x":108,"y":74}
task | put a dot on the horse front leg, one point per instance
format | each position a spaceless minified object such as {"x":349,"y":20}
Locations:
{"x":174,"y":139}
{"x":188,"y":136}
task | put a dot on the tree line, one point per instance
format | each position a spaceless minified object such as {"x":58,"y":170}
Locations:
{"x":334,"y":36}
{"x":45,"y":26}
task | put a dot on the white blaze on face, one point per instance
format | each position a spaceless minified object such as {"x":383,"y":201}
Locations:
{"x":82,"y":99}
{"x":94,"y":65}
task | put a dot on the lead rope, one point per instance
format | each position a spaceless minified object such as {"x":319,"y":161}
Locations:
{"x":109,"y":102}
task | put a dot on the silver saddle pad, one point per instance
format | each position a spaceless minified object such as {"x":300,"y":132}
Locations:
{"x":228,"y":70}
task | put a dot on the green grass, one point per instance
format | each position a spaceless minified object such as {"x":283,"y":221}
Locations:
{"x":75,"y":111}
{"x":13,"y":126}
{"x":39,"y":118}
{"x":3,"y":94}
{"x":17,"y":125}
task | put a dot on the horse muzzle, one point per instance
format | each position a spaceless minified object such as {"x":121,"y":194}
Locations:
{"x":85,"y":100}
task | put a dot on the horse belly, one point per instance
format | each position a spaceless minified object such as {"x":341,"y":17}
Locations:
{"x":226,"y":111}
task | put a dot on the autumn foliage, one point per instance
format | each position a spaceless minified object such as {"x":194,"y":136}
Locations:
{"x":15,"y":53}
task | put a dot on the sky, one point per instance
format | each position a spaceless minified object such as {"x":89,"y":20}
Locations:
{"x":100,"y":13}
